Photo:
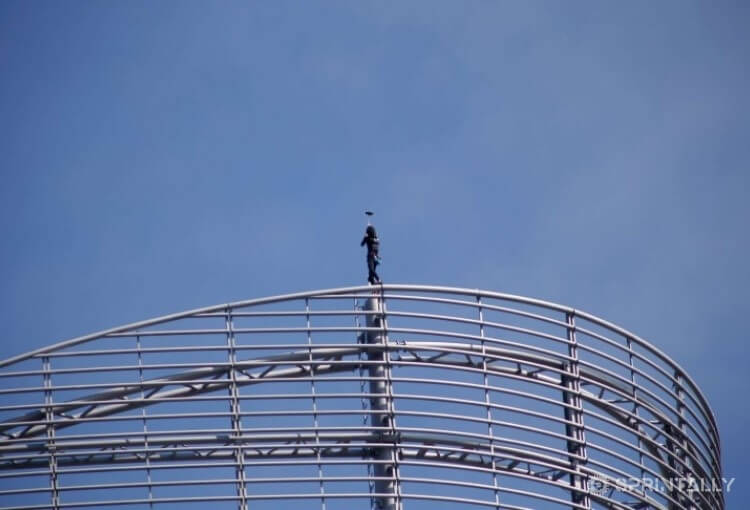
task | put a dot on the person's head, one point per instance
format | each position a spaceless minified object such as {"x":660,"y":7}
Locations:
{"x":370,"y":231}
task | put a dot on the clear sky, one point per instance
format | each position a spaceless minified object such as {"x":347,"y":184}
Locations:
{"x":160,"y":156}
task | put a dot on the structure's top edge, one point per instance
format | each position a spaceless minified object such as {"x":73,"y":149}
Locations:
{"x":367,"y":289}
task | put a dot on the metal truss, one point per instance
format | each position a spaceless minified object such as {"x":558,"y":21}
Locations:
{"x":388,"y":397}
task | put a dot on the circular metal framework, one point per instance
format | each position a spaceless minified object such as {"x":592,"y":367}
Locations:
{"x":392,"y":397}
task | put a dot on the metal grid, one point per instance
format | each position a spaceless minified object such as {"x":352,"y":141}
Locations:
{"x":393,"y":397}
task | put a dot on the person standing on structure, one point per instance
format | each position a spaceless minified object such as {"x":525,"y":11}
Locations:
{"x":373,"y":256}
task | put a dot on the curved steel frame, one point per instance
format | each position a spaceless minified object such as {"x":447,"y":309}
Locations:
{"x":398,"y":395}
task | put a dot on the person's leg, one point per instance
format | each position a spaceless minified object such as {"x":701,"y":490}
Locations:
{"x":375,"y":264}
{"x":371,"y":270}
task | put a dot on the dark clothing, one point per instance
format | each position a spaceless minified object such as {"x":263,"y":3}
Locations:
{"x":373,"y":245}
{"x":373,"y":248}
{"x":372,"y":276}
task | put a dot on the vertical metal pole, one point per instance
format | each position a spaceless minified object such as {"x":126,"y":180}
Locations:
{"x":145,"y":427}
{"x":234,"y":407}
{"x":487,"y":402}
{"x":314,"y":405}
{"x":683,"y":430}
{"x":395,"y":452}
{"x":381,"y":405}
{"x":574,"y":413}
{"x":49,"y":418}
{"x":362,"y":339}
{"x":634,"y":394}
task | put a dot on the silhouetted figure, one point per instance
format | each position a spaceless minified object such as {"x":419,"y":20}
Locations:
{"x":373,"y":257}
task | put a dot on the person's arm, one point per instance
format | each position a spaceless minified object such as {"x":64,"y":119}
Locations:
{"x":364,"y":240}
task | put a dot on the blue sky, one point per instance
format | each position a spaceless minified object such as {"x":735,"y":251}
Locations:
{"x":163,"y":156}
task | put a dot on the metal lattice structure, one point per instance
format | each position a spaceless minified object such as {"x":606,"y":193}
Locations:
{"x":390,"y":397}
